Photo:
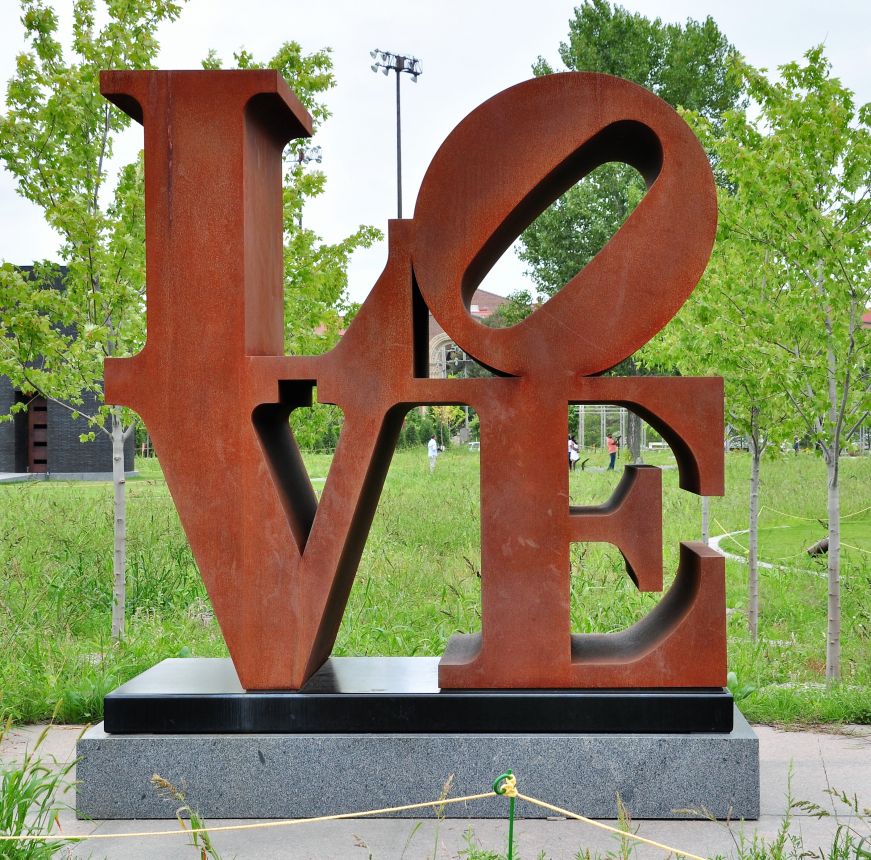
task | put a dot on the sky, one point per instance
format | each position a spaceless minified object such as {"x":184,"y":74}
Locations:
{"x":469,"y":50}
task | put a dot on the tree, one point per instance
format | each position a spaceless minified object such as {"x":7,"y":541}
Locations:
{"x":800,"y":171}
{"x":448,"y":420}
{"x":56,"y":139}
{"x":718,"y":332}
{"x":686,"y":66}
{"x":519,"y":305}
{"x":807,"y":158}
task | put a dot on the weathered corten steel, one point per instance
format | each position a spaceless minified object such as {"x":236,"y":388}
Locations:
{"x":278,"y":565}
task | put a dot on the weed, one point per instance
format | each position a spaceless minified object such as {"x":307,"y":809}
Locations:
{"x":473,"y":849}
{"x":739,"y":691}
{"x":199,"y":840}
{"x":852,"y":840}
{"x":29,"y":795}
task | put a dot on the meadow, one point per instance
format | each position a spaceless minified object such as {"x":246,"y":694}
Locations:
{"x":419,"y":582}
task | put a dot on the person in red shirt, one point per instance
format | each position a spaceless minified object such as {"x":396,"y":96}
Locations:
{"x":613,"y":447}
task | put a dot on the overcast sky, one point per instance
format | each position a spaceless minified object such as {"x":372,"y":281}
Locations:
{"x":469,"y":50}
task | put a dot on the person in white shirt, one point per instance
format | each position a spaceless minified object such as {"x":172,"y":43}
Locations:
{"x":574,"y":456}
{"x":433,"y":451}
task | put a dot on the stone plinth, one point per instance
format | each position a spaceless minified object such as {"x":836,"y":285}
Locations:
{"x":306,"y":775}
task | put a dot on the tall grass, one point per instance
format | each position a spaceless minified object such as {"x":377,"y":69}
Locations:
{"x":55,"y":604}
{"x":30,"y":798}
{"x":418,"y":583}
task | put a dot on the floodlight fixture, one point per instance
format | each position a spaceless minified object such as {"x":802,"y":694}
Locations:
{"x":305,"y":155}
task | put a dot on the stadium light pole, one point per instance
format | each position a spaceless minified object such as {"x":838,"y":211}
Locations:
{"x":387,"y":61}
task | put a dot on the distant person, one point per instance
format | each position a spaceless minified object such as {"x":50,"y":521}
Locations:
{"x":613,"y":448}
{"x":432,"y":449}
{"x":796,"y":445}
{"x":574,"y":456}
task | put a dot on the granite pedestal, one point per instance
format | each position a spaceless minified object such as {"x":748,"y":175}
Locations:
{"x":317,"y":765}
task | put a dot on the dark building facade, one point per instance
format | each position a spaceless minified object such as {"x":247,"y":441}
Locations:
{"x":45,"y":439}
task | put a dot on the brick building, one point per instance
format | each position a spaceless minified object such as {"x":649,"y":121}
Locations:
{"x":483,"y":304}
{"x":44,"y":438}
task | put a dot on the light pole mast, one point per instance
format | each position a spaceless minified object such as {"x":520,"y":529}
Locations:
{"x":387,"y":61}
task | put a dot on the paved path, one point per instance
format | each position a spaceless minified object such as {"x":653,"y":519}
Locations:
{"x":817,"y":759}
{"x":715,"y":542}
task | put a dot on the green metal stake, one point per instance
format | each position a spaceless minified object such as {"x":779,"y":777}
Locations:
{"x":505,"y":785}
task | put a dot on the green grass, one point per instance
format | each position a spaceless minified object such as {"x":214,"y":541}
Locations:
{"x":31,"y":796}
{"x":787,"y":544}
{"x":55,"y":552}
{"x":418,"y":582}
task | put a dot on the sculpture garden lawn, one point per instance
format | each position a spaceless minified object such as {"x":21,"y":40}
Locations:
{"x":419,"y":582}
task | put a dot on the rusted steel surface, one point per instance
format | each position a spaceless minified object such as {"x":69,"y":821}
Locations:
{"x":277,"y":563}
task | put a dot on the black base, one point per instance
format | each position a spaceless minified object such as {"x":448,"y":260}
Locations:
{"x":394,"y":695}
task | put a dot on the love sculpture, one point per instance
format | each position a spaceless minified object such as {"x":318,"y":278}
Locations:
{"x":215,"y":389}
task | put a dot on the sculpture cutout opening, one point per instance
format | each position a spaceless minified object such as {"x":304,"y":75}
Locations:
{"x":578,"y":224}
{"x":278,"y":565}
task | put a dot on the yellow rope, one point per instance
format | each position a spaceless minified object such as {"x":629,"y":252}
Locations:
{"x":509,"y":789}
{"x":811,"y":519}
{"x":54,"y":837}
{"x":801,"y":554}
{"x":731,"y":535}
{"x":625,"y":833}
{"x":791,"y":516}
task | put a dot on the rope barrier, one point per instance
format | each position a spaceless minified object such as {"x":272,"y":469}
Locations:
{"x":627,"y":834}
{"x":746,"y":549}
{"x":857,"y":548}
{"x":761,"y":565}
{"x":505,"y":785}
{"x":259,"y":825}
{"x":801,"y":554}
{"x":731,"y":535}
{"x":811,"y":519}
{"x":791,"y":516}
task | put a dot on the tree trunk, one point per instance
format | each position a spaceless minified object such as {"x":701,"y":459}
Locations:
{"x":833,"y":632}
{"x":832,"y":453}
{"x":706,"y":530}
{"x":119,"y":559}
{"x":633,"y":436}
{"x":753,"y":540}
